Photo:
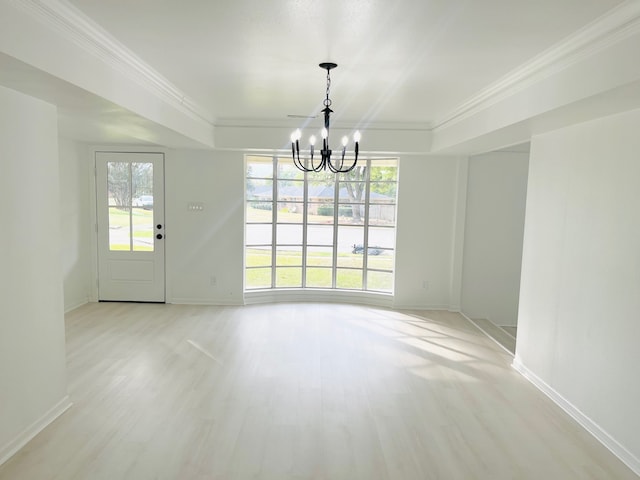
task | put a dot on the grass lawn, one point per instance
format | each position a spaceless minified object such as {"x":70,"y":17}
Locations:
{"x":142,"y":223}
{"x":318,"y":274}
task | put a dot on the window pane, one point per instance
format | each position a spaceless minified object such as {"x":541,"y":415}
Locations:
{"x":289,"y":234}
{"x":319,"y":277}
{"x":290,"y":212}
{"x":286,"y":169}
{"x":320,"y":212}
{"x":288,"y":256}
{"x":259,"y":167}
{"x":351,"y":214}
{"x":290,"y":277}
{"x":357,"y":175}
{"x":353,"y":258}
{"x":258,"y":257}
{"x":119,"y":228}
{"x":382,"y":237}
{"x":320,"y":256}
{"x":259,"y":212}
{"x":258,"y":234}
{"x":382,"y":215}
{"x":292,"y":190}
{"x":348,"y":237}
{"x":352,"y":192}
{"x":320,"y":235}
{"x":258,"y":277}
{"x":349,"y":279}
{"x":383,"y":192}
{"x":384,"y":170}
{"x":381,"y":259}
{"x":380,"y":281}
{"x":260,"y":190}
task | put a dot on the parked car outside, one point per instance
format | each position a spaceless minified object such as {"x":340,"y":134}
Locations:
{"x":144,"y":201}
{"x":372,"y":250}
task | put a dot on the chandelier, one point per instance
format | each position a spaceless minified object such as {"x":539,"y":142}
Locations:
{"x":325,"y":153}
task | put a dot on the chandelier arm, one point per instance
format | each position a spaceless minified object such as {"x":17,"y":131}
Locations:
{"x":295,"y":149}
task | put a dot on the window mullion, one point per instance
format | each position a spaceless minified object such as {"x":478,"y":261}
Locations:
{"x":305,"y":209}
{"x":336,"y":198}
{"x":365,"y":252}
{"x":274,"y":220}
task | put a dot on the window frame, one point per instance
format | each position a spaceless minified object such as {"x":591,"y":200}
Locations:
{"x":279,"y":222}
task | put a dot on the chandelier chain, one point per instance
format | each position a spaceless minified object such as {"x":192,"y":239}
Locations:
{"x":327,"y":101}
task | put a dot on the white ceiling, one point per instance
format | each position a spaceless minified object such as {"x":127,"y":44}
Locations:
{"x":400,"y":61}
{"x":198,"y":67}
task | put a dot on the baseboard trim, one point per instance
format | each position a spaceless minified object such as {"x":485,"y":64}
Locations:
{"x":205,"y":301}
{"x":76,"y":304}
{"x":35,"y":428}
{"x":319,"y":295}
{"x":486,"y":334}
{"x":410,"y":306}
{"x":593,"y":428}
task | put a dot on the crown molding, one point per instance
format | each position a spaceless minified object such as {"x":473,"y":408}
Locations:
{"x":317,"y":123}
{"x":614,"y":26}
{"x":64,"y":18}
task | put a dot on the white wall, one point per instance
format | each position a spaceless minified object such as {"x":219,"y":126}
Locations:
{"x":75,"y":202}
{"x":426,"y":240}
{"x":578,"y":327}
{"x":494,"y":228}
{"x":32,"y":342}
{"x":207,"y":243}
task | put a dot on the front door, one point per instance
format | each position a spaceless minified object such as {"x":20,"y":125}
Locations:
{"x":131,"y":230}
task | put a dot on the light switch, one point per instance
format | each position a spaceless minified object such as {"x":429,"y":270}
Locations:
{"x":195,"y":206}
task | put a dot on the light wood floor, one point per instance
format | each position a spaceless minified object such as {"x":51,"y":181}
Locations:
{"x":299,"y":391}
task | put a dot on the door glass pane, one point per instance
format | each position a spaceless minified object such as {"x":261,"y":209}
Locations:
{"x":119,"y":238}
{"x":119,"y":193}
{"x":142,"y":202}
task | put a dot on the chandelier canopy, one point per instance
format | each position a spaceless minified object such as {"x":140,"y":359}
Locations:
{"x":308,"y":165}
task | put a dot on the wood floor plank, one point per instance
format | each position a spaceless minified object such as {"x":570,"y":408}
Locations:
{"x":299,"y":391}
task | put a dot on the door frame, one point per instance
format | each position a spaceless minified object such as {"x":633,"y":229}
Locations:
{"x":93,"y":206}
